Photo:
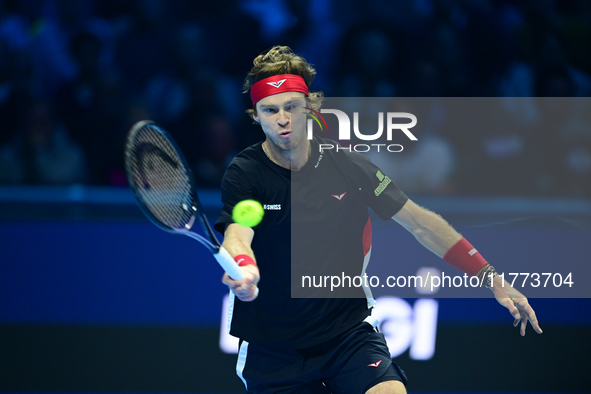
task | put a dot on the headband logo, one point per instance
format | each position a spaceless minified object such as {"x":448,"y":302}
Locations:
{"x":277,"y":84}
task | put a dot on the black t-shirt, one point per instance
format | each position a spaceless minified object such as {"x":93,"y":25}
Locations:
{"x":322,"y":210}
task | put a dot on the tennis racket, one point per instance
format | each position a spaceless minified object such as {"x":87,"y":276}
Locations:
{"x":165,"y":189}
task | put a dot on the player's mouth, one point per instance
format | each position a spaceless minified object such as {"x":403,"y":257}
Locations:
{"x":285,"y":134}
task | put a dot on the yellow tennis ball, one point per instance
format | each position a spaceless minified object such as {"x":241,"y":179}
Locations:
{"x":248,"y":213}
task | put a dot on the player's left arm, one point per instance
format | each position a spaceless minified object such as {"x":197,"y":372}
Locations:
{"x":434,"y":233}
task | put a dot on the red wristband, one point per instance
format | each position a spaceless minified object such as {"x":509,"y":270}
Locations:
{"x":244,"y":259}
{"x":465,"y":257}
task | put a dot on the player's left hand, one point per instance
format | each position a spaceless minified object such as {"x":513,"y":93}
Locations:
{"x":517,"y":304}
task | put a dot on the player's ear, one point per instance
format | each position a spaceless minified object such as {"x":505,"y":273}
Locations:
{"x":252,"y":112}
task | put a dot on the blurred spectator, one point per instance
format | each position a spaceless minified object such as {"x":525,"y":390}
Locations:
{"x":426,"y":166}
{"x":42,"y":153}
{"x":221,"y":147}
{"x":424,"y":79}
{"x":145,"y":48}
{"x":54,"y":28}
{"x":502,"y":168}
{"x":370,"y":56}
{"x":16,"y":89}
{"x":14,"y":27}
{"x":452,"y":60}
{"x":577,"y":160}
{"x":16,"y":69}
{"x":192,"y":78}
{"x":190,"y":97}
{"x":90,"y":106}
{"x":274,"y":17}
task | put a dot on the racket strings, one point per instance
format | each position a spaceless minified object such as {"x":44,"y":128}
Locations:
{"x":162,"y":181}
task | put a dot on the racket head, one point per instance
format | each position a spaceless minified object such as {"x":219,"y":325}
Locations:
{"x":162,"y":181}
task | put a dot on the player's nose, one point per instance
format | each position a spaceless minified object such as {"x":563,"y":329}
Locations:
{"x":283,"y":118}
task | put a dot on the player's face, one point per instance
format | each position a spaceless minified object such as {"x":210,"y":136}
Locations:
{"x":282,"y":117}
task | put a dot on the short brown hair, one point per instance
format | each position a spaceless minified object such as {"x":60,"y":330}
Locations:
{"x":282,"y":60}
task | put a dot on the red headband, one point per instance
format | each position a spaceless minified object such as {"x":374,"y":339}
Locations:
{"x":277,"y":84}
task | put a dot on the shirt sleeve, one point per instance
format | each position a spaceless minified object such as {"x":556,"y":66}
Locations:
{"x":382,"y":195}
{"x":235,"y":188}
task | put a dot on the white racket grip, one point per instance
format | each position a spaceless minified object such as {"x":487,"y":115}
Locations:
{"x":228,"y":264}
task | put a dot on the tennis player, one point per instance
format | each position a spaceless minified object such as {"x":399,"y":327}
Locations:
{"x":318,"y":345}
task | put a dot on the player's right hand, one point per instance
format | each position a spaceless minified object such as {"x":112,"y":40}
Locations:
{"x":245,"y":289}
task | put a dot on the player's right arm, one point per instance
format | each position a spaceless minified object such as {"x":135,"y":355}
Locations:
{"x":237,"y":240}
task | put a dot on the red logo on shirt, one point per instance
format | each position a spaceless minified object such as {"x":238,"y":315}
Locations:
{"x":374,"y":364}
{"x":339,"y":196}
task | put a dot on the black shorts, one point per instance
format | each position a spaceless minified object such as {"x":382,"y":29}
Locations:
{"x":353,"y":362}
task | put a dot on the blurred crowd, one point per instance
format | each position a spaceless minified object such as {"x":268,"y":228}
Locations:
{"x":76,"y":74}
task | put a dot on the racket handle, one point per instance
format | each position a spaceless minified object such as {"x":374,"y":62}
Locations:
{"x":228,"y":264}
